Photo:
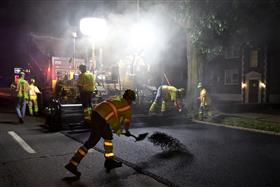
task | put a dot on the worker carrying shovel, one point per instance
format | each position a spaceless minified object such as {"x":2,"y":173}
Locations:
{"x":107,"y":117}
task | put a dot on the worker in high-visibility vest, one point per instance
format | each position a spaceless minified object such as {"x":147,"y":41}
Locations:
{"x":22,"y":93}
{"x":107,"y":117}
{"x":33,"y":91}
{"x":86,"y":84}
{"x":203,"y":102}
{"x":164,"y":92}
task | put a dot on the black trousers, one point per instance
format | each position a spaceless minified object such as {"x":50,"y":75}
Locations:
{"x":86,"y":98}
{"x":99,"y":129}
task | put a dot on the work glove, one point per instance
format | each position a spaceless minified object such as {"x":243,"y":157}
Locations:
{"x":118,"y":132}
{"x":127,"y":133}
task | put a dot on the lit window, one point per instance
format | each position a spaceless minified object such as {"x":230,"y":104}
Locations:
{"x":254,"y":59}
{"x":231,"y":77}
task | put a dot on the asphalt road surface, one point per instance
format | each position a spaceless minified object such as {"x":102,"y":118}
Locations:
{"x":212,"y":156}
{"x":30,"y":156}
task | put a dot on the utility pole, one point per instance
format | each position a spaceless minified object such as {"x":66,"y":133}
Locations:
{"x":74,"y":48}
{"x":138,"y":9}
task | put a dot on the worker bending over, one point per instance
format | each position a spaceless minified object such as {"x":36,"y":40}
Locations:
{"x":107,"y":117}
{"x":164,"y":92}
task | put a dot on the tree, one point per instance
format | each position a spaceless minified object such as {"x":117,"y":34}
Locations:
{"x":210,"y":26}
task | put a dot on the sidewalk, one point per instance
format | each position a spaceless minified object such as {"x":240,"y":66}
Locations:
{"x":258,"y":116}
{"x":268,"y":123}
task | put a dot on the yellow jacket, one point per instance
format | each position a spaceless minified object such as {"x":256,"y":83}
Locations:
{"x":115,"y":111}
{"x":202,"y":97}
{"x":22,"y":88}
{"x":33,"y":90}
{"x":86,"y":82}
{"x":169,"y":91}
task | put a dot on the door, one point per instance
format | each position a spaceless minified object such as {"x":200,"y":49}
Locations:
{"x":253,"y":91}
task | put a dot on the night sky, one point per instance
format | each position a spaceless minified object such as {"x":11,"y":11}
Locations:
{"x":49,"y":17}
{"x":55,"y":18}
{"x":19,"y":18}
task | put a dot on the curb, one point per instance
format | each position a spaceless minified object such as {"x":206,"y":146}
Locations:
{"x":235,"y":127}
{"x":140,"y":170}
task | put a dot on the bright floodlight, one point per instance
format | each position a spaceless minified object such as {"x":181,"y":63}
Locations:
{"x":142,"y":34}
{"x":94,"y":27}
{"x":74,"y":34}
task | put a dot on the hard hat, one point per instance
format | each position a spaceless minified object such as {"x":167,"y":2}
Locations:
{"x":181,"y":90}
{"x":199,"y":85}
{"x":21,"y":73}
{"x":129,"y":94}
{"x":83,"y":68}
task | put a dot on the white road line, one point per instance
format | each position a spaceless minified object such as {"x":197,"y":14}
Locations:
{"x":21,"y":142}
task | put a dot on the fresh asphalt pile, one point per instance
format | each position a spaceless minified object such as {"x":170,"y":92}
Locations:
{"x":166,"y":142}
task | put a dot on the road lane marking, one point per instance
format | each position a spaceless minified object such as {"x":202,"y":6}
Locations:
{"x":21,"y":142}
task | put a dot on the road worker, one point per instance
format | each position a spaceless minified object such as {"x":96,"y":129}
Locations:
{"x":22,"y":93}
{"x":86,"y":84}
{"x":107,"y":117}
{"x":203,"y":102}
{"x":33,"y":91}
{"x":164,"y":92}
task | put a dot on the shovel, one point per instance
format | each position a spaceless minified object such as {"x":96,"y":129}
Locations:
{"x":140,"y":137}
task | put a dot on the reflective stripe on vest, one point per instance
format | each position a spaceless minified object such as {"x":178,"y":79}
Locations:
{"x":111,"y":114}
{"x":115,"y":110}
{"x":123,"y":109}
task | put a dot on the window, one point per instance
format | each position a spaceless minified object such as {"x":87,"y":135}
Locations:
{"x":232,"y":52}
{"x":253,"y":59}
{"x":231,"y":77}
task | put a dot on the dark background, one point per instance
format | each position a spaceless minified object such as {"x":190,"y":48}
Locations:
{"x":19,"y":18}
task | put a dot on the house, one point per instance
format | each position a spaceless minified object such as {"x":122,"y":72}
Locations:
{"x":246,"y":74}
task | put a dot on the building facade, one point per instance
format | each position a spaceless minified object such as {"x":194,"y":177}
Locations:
{"x":245,"y":74}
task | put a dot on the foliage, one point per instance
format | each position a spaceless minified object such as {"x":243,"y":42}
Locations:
{"x":214,"y":25}
{"x":250,"y":123}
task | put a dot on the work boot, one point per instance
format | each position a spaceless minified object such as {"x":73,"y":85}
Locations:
{"x":110,"y":163}
{"x":21,"y":120}
{"x":73,"y":169}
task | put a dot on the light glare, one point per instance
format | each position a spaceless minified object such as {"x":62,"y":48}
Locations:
{"x":94,"y":27}
{"x":243,"y":85}
{"x":262,"y":85}
{"x":142,"y":34}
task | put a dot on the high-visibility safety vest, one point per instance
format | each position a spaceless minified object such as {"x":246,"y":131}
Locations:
{"x":169,"y":91}
{"x":114,"y":111}
{"x":86,"y":81}
{"x":22,"y":88}
{"x":202,"y":97}
{"x":33,"y":90}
